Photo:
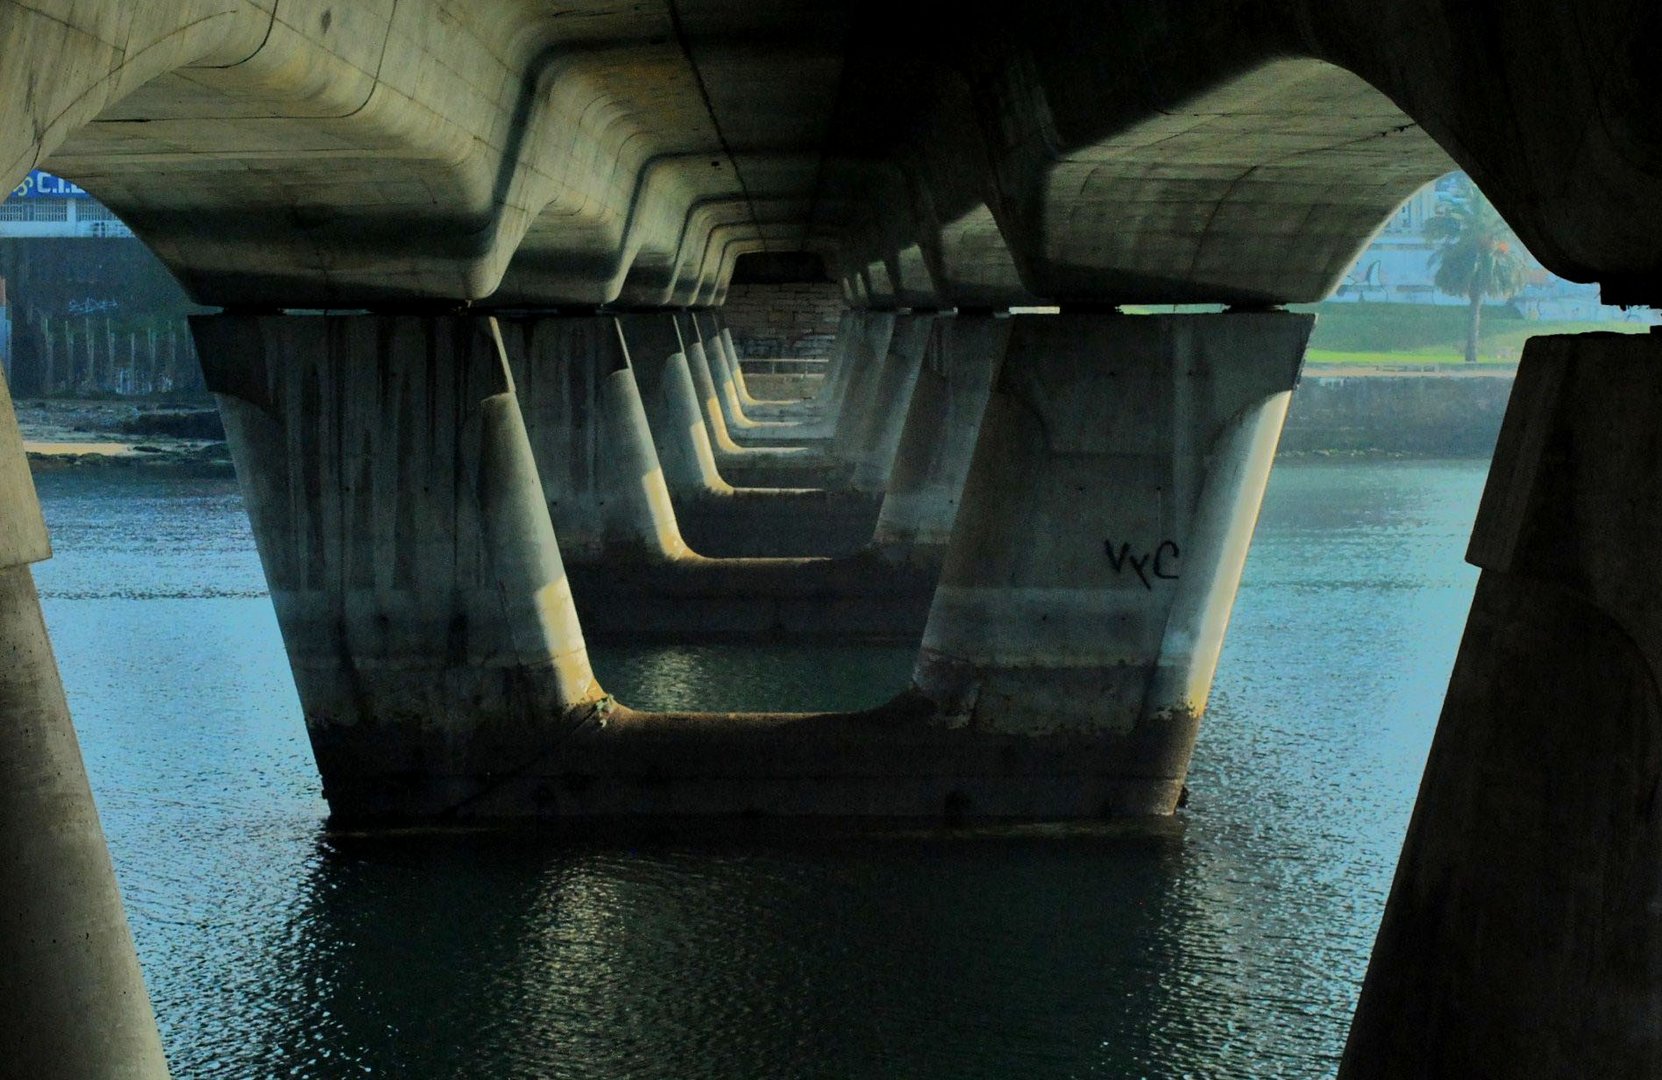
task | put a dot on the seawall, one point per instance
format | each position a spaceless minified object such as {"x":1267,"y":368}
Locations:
{"x":1418,"y":415}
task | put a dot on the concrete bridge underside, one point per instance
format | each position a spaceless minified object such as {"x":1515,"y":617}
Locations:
{"x":1055,"y":507}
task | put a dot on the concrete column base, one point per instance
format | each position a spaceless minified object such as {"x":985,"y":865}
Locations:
{"x":892,"y":763}
{"x":1522,"y":937}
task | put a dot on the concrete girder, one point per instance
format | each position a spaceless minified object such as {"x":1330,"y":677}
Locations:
{"x":1213,"y":151}
{"x":1259,"y":191}
{"x":1468,"y":74}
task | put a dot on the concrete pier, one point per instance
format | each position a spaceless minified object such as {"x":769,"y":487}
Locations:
{"x":872,"y":454}
{"x":407,"y":545}
{"x":1521,"y":937}
{"x":71,"y":993}
{"x":747,"y":466}
{"x":715,"y":517}
{"x":745,"y":429}
{"x":1016,"y":721}
{"x":595,"y":457}
{"x":632,"y":574}
{"x":931,"y":463}
{"x":868,"y":358}
{"x":1104,"y":524}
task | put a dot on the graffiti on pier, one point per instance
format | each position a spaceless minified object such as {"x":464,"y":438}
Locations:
{"x":1160,"y":563}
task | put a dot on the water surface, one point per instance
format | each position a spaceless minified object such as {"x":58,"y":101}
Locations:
{"x":1230,"y":945}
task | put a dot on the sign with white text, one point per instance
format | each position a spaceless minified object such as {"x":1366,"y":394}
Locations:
{"x":43,"y":185}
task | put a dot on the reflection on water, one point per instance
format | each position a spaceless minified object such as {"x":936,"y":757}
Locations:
{"x":1231,"y":945}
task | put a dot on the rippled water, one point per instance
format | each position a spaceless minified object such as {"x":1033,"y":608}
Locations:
{"x":1230,"y":945}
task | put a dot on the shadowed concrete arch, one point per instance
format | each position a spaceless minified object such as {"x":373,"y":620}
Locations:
{"x":390,"y":153}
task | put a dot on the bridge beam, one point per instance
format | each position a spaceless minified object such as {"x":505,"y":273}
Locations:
{"x":1104,"y":525}
{"x":1521,"y":937}
{"x":71,"y":993}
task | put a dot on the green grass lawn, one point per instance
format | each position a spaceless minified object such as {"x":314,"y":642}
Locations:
{"x":1415,"y":334}
{"x":1419,"y":358}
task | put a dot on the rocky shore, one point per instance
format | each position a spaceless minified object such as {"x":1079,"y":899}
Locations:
{"x":62,"y":433}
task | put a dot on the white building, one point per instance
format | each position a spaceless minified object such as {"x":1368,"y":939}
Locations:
{"x":1396,"y":268}
{"x":47,"y":205}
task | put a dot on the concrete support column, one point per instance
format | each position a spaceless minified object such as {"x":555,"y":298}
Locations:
{"x":739,"y":423}
{"x":731,"y":350}
{"x":71,"y":992}
{"x":920,"y":502}
{"x":715,"y":517}
{"x":1522,"y":936}
{"x":868,"y":351}
{"x":406,"y":540}
{"x":658,"y":355}
{"x":1105,"y":521}
{"x":835,"y":380}
{"x":594,"y":451}
{"x":874,"y":453}
{"x":727,"y":450}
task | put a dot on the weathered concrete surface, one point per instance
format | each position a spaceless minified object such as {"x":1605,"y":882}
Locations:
{"x":23,"y":537}
{"x":407,"y":545}
{"x":1522,"y":935}
{"x":590,"y":154}
{"x":746,"y":430}
{"x":71,"y":993}
{"x":1109,"y":505}
{"x":632,"y":575}
{"x":873,"y":453}
{"x":798,"y":409}
{"x":866,"y":357}
{"x":588,"y":429}
{"x":716,"y":518}
{"x":859,"y":442}
{"x":920,"y":501}
{"x":889,"y":763}
{"x":748,"y":466}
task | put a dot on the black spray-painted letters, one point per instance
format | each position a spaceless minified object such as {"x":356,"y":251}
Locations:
{"x":1161,"y":562}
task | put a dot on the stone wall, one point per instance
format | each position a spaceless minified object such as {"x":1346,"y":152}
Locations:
{"x":1413,"y":415}
{"x":797,"y":320}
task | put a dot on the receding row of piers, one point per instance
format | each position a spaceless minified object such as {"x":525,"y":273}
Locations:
{"x":1055,"y":509}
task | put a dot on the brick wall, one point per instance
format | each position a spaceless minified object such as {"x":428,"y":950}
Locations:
{"x":770,"y":321}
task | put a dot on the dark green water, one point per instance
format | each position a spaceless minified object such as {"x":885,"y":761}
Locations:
{"x":1230,"y":945}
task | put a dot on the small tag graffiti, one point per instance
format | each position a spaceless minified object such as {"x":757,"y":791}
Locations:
{"x":1161,"y":563}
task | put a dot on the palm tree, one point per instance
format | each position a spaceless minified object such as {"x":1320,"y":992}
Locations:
{"x":1477,"y":256}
